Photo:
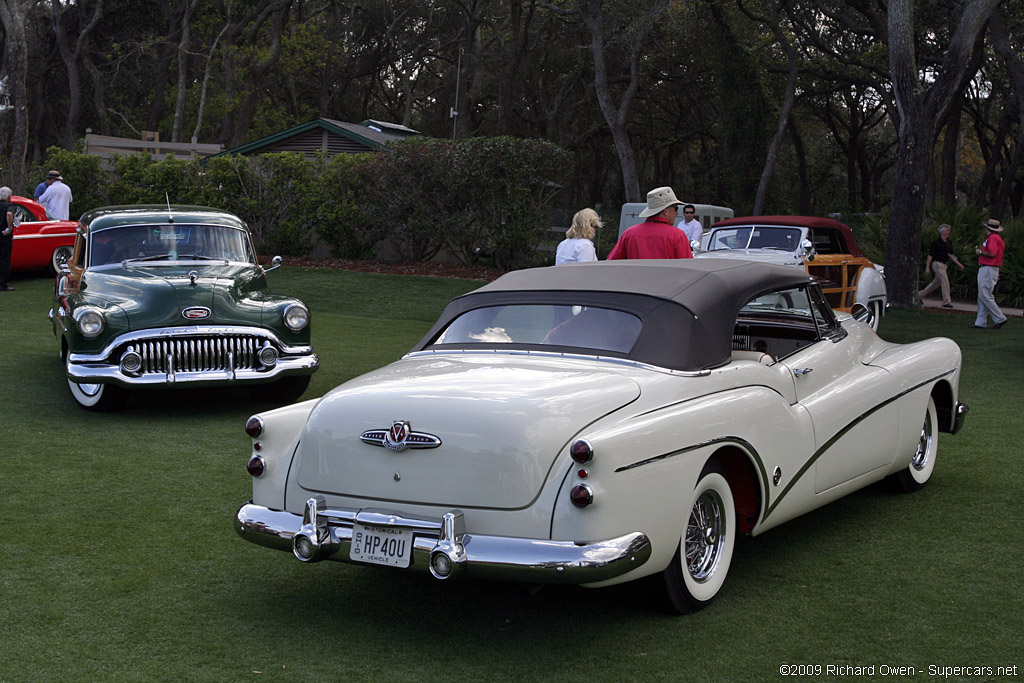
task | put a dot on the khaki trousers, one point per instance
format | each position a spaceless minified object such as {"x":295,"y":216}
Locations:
{"x":941,"y":279}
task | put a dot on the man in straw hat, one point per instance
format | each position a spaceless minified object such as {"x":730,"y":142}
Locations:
{"x":990,"y":258}
{"x":658,"y":237}
{"x":57,"y":198}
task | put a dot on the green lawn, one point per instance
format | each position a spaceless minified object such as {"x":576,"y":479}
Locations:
{"x":118,"y":560}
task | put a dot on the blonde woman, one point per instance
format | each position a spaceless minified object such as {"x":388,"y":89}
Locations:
{"x":577,"y":245}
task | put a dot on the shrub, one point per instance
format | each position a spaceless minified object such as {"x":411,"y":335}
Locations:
{"x":338,"y":220}
{"x":472,"y":197}
{"x":408,"y":197}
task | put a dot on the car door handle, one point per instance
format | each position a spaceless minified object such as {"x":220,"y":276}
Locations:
{"x":799,"y":372}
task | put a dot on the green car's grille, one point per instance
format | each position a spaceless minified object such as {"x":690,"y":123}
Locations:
{"x":197,"y":354}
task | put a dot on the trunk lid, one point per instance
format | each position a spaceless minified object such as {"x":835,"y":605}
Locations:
{"x":502,"y":421}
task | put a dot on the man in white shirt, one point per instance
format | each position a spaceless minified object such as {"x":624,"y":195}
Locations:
{"x":690,"y":225}
{"x":57,"y":198}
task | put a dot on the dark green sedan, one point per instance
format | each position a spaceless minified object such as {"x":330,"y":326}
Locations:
{"x":174,"y":296}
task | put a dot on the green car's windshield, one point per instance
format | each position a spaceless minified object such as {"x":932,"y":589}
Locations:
{"x":169,"y":243}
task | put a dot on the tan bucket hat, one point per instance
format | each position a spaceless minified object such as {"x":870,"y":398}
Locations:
{"x":659,"y":199}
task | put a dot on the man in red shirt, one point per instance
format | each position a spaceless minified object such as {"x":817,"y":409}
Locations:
{"x":990,"y":258}
{"x":658,"y":237}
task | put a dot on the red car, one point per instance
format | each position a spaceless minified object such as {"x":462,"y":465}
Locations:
{"x":40,"y":240}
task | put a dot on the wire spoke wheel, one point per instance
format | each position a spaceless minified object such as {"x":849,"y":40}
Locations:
{"x":701,"y":563}
{"x":705,"y":536}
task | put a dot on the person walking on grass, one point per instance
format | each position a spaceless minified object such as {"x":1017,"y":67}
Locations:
{"x":990,"y":259}
{"x":940,"y":253}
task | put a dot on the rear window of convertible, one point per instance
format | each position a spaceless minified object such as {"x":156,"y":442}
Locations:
{"x":585,"y":327}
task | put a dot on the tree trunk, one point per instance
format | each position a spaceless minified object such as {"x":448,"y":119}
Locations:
{"x":71,"y":57}
{"x":12,"y":15}
{"x":951,"y":155}
{"x":182,"y":85}
{"x":615,"y":115}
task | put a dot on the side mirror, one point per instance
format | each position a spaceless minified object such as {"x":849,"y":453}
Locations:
{"x":862,"y":314}
{"x":808,"y":249}
{"x":695,"y":246}
{"x":274,"y":263}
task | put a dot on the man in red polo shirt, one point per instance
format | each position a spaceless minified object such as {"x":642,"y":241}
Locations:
{"x":990,"y":258}
{"x":658,"y":237}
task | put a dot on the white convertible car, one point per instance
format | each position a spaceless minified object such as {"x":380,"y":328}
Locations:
{"x":596,"y":423}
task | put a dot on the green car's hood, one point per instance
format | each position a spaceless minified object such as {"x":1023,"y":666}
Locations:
{"x":156,"y":296}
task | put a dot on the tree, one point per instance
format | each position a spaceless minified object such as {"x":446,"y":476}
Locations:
{"x":12,"y":15}
{"x":923,"y":101}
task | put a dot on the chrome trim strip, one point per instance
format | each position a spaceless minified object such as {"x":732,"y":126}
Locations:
{"x":46,"y":236}
{"x":491,"y":557}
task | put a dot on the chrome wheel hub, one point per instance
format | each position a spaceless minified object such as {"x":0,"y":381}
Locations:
{"x":924,"y":447}
{"x":705,"y":534}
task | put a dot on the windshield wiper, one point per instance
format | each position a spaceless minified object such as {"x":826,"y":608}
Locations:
{"x":156,"y":257}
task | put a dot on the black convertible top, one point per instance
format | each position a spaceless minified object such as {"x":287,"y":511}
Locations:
{"x":688,"y":306}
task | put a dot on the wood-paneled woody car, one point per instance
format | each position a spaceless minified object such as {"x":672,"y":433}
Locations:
{"x":823,"y":247}
{"x":174,"y":296}
{"x":595,"y":423}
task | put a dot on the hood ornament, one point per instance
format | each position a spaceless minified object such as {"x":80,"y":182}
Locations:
{"x":192,"y":276}
{"x":399,"y":437}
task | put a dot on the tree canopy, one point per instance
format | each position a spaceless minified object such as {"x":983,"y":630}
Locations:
{"x":778,"y":106}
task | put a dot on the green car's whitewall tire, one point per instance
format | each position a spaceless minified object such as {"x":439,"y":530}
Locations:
{"x":98,"y":397}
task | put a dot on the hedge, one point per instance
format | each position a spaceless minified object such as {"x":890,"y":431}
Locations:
{"x":473,"y":199}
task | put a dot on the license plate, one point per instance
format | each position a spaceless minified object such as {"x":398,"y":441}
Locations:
{"x":381,"y":545}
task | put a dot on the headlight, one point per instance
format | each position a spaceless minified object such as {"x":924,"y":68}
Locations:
{"x":296,"y":317}
{"x":90,"y":322}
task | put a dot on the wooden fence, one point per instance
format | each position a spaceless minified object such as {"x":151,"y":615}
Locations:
{"x":105,"y":146}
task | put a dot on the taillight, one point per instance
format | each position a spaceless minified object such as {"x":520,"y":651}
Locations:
{"x":254,"y":426}
{"x":256,"y":466}
{"x":581,"y":451}
{"x":581,"y":496}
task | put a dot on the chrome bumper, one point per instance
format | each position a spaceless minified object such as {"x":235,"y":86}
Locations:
{"x":98,"y":373}
{"x":442,"y":546}
{"x":194,"y":354}
{"x":960,"y":411}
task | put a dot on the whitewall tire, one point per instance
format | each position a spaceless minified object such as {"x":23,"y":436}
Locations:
{"x":701,"y":563}
{"x":919,"y":471}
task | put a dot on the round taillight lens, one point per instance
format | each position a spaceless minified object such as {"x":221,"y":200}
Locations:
{"x":254,"y":426}
{"x":581,"y":495}
{"x":581,"y":451}
{"x":256,"y":466}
